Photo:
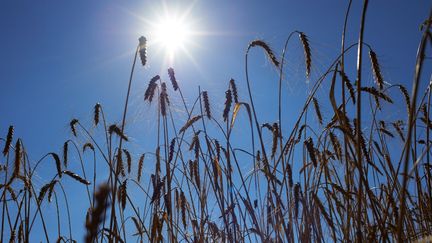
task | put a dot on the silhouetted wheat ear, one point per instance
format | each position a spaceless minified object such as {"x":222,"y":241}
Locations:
{"x":115,"y":129}
{"x":311,"y":150}
{"x":317,"y":110}
{"x":228,"y":101}
{"x":378,"y":147}
{"x":300,"y":131}
{"x":163,"y":99}
{"x":57,"y":163}
{"x":382,"y":124}
{"x":44,"y":190}
{"x":76,"y":177}
{"x":122,"y":194}
{"x":18,"y":156}
{"x":268,"y":126}
{"x":195,"y":145}
{"x":258,"y":158}
{"x":96,"y":114}
{"x":183,"y":208}
{"x":387,"y":132}
{"x":307,"y":52}
{"x":336,"y":145}
{"x":190,"y":122}
{"x":206,"y":104}
{"x":289,"y":173}
{"x":349,"y":86}
{"x":234,"y":91}
{"x":346,"y":127}
{"x":177,"y":199}
{"x":157,"y":186}
{"x":376,"y":70}
{"x":364,"y":148}
{"x":167,"y":202}
{"x":196,"y":173}
{"x":297,"y":192}
{"x":398,"y":127}
{"x":218,"y":148}
{"x":171,"y":150}
{"x":149,"y":93}
{"x":267,"y":50}
{"x":73,"y":126}
{"x":120,"y":165}
{"x":89,"y":146}
{"x":65,"y":153}
{"x":216,"y":171}
{"x":191,"y":169}
{"x":155,"y":225}
{"x":96,"y":216}
{"x":322,"y":209}
{"x":355,"y":126}
{"x":140,"y":167}
{"x":128,"y":160}
{"x":143,"y":50}
{"x":8,"y":142}
{"x":173,"y":79}
{"x":138,"y":226}
{"x":51,"y":190}
{"x":406,"y":96}
{"x":376,"y":93}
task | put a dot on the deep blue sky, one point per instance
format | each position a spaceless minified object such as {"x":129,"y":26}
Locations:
{"x":58,"y":58}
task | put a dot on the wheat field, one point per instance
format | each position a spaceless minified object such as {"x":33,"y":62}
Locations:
{"x":342,"y":172}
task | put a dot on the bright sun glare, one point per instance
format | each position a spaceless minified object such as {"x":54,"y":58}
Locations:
{"x":172,"y":34}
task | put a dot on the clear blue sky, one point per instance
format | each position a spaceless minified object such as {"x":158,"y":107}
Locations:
{"x":58,"y":58}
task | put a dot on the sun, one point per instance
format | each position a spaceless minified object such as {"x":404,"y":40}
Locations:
{"x":173,"y":34}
